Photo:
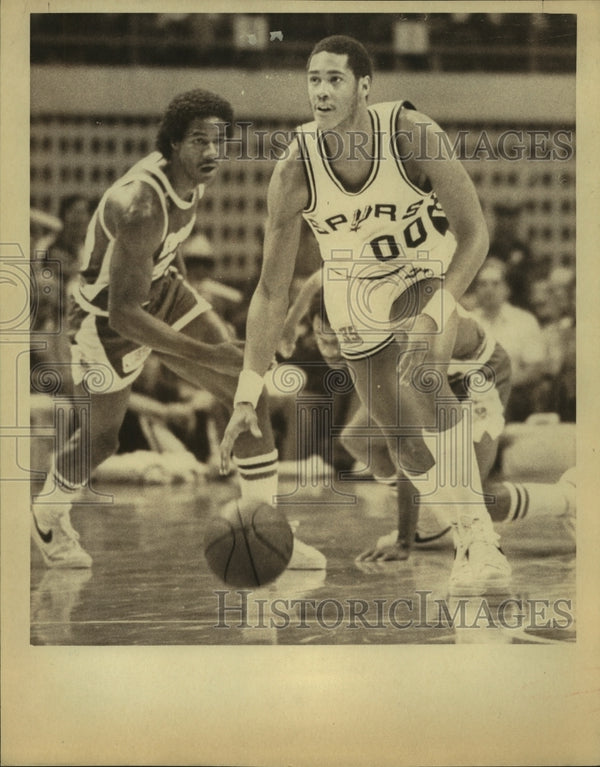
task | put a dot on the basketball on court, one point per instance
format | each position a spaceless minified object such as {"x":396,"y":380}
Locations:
{"x":248,"y":544}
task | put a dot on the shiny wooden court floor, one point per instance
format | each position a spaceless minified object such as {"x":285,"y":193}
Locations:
{"x":150,"y":584}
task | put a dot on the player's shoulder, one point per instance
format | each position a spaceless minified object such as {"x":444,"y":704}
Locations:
{"x":404,"y":108}
{"x":133,"y":202}
{"x":390,"y":106}
{"x":410,"y":118}
{"x":308,"y":128}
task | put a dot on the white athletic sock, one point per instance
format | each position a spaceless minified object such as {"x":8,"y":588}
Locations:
{"x":60,"y":495}
{"x":258,"y":477}
{"x":531,"y":499}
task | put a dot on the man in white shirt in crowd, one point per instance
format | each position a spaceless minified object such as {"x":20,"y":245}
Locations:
{"x":516,"y":329}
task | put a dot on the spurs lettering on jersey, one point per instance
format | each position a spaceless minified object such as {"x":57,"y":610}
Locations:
{"x":387,"y":222}
{"x":375,"y":242}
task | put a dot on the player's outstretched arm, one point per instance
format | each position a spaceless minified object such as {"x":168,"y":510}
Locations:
{"x":287,"y":197}
{"x":135,"y":217}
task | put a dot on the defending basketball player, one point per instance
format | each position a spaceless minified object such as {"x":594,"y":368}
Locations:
{"x":133,"y":300}
{"x":402,"y":235}
{"x":480,"y":373}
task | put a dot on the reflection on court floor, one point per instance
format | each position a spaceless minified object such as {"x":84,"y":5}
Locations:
{"x":150,"y":584}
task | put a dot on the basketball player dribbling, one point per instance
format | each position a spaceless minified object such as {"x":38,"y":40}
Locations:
{"x":133,"y":300}
{"x":402,"y":235}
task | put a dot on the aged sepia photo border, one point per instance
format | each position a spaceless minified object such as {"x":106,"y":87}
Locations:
{"x":380,"y":705}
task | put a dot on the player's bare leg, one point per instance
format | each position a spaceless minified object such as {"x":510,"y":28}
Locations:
{"x":429,"y":461}
{"x":374,"y":453}
{"x":432,"y":523}
{"x":94,"y":440}
{"x":376,"y":379}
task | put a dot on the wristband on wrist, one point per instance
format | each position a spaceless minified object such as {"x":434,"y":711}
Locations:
{"x":440,"y":307}
{"x":249,"y":388}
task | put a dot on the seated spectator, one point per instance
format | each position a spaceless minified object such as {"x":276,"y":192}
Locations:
{"x":548,"y":313}
{"x":517,"y":330}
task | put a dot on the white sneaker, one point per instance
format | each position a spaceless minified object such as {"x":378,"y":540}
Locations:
{"x":305,"y":557}
{"x":461,"y":575}
{"x":57,"y":541}
{"x":480,"y":566}
{"x":567,"y":483}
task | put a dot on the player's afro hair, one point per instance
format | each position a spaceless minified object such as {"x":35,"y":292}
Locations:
{"x":183,"y":109}
{"x":359,"y":60}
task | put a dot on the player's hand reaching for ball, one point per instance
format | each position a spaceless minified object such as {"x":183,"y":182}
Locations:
{"x":389,"y":552}
{"x":242,"y":419}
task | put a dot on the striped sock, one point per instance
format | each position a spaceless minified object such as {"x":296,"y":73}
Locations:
{"x":258,"y":477}
{"x":518,"y":502}
{"x":533,"y":499}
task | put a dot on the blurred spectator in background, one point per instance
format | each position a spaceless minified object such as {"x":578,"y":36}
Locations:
{"x":43,"y":229}
{"x":165,"y":414}
{"x":553,"y":302}
{"x":55,"y":264}
{"x":199,"y":264}
{"x":508,"y":247}
{"x":63,"y":247}
{"x":517,"y":330}
{"x":562,"y":280}
{"x":66,"y":245}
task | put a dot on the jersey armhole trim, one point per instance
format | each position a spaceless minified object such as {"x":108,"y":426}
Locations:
{"x":308,"y":173}
{"x":394,"y":149}
{"x":103,"y":223}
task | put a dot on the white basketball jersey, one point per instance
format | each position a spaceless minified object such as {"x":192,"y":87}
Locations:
{"x":389,"y":226}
